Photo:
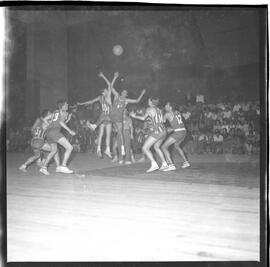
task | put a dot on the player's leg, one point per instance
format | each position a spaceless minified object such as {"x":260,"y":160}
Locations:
{"x":114,"y":149}
{"x":120,"y":137}
{"x":52,"y":149}
{"x":100,"y":136}
{"x":149,"y":142}
{"x":177,"y":146}
{"x":30,"y":160}
{"x":165,"y":148}
{"x":108,"y":128}
{"x":68,"y":149}
{"x":157,"y":145}
{"x":127,"y":141}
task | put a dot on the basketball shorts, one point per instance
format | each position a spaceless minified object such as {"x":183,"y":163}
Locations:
{"x":105,"y":119}
{"x":179,"y":136}
{"x":158,"y":135}
{"x":37,"y":143}
{"x":53,"y":135}
{"x":117,"y":117}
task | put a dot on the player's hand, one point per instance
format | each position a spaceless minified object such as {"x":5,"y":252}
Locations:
{"x":79,"y":104}
{"x":132,"y":114}
{"x":100,"y":74}
{"x":72,"y":133}
{"x":116,"y":74}
{"x":131,"y":137}
{"x":143,"y":91}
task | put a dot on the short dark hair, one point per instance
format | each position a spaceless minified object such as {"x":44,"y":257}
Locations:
{"x":60,"y":103}
{"x":155,"y":101}
{"x":44,"y":113}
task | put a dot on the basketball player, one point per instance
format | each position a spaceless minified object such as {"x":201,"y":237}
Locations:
{"x":128,"y":132}
{"x":38,"y":143}
{"x":156,"y":135}
{"x":119,"y":104}
{"x":59,"y":119}
{"x":104,"y":120}
{"x":176,"y":137}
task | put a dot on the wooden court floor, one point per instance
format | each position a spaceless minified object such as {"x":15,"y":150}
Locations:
{"x":209,"y":212}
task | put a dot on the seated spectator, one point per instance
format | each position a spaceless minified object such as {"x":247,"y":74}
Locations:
{"x":209,"y":143}
{"x":201,"y":143}
{"x":218,"y":142}
{"x":238,"y":144}
{"x":217,"y":126}
{"x":236,"y":107}
{"x":226,"y":141}
{"x":192,"y":143}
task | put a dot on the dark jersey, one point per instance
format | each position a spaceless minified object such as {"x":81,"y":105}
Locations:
{"x":176,"y":122}
{"x":119,"y":105}
{"x":57,"y":117}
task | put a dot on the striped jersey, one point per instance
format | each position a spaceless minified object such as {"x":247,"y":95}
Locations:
{"x":105,"y":106}
{"x":39,"y":130}
{"x":156,"y":122}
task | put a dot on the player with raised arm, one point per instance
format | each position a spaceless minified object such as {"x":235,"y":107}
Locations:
{"x":156,"y":135}
{"x":176,"y":137}
{"x":119,"y":104}
{"x":59,"y":119}
{"x":104,"y":120}
{"x":39,"y":144}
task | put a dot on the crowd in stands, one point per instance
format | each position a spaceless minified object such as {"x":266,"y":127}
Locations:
{"x":212,"y":129}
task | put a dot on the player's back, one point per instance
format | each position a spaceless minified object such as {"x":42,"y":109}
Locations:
{"x":105,"y":106}
{"x":39,"y":129}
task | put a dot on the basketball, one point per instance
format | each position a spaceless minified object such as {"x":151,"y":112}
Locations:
{"x":118,"y":50}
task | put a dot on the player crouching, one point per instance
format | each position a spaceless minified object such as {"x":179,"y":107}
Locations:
{"x":38,"y":143}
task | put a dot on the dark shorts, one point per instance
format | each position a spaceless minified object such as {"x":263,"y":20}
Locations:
{"x":179,"y":136}
{"x":116,"y":117}
{"x":37,"y":143}
{"x":53,"y":136}
{"x":158,"y":135}
{"x":105,"y":119}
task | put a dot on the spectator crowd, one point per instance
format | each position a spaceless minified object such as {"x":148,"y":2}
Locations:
{"x":212,"y":129}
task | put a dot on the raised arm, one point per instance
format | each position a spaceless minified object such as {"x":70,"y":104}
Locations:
{"x":88,"y":102}
{"x":115,"y":93}
{"x":136,"y":100}
{"x":101,"y":75}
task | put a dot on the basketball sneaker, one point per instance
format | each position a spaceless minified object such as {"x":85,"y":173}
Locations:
{"x":185,"y":165}
{"x":163,"y":166}
{"x":65,"y":169}
{"x":171,"y":167}
{"x":121,"y":162}
{"x":154,"y":166}
{"x":115,"y":159}
{"x":108,"y":153}
{"x":128,"y":162}
{"x":99,"y":153}
{"x":44,"y":171}
{"x":23,"y":168}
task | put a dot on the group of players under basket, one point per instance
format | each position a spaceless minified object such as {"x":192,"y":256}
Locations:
{"x":47,"y":133}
